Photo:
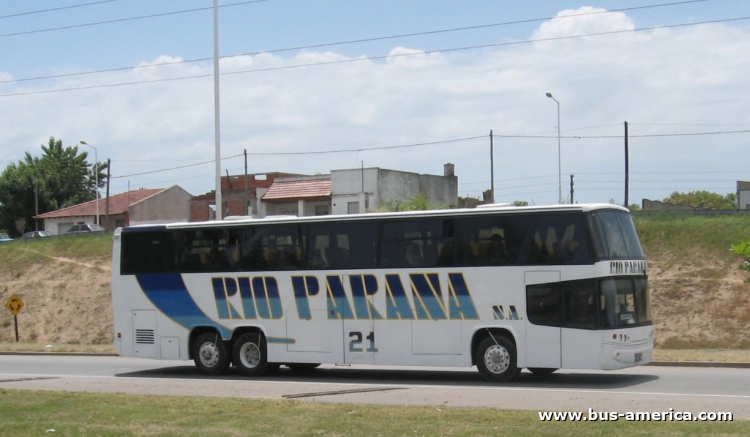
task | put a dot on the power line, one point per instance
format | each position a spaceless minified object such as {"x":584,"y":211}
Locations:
{"x":306,"y":153}
{"x":174,"y":168}
{"x":589,"y":137}
{"x":373,"y":58}
{"x":366,"y":149}
{"x":55,"y":9}
{"x":120,"y":20}
{"x":406,"y":35}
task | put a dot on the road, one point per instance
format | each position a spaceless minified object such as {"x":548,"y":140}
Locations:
{"x":641,"y":389}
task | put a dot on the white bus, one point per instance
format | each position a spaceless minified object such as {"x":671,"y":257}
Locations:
{"x":501,"y":288}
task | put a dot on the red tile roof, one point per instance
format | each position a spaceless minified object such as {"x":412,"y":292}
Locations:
{"x":291,"y":190}
{"x":118,"y":204}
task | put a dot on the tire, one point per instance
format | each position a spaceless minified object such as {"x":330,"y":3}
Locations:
{"x":210,"y":354}
{"x":302,"y":367}
{"x":496,"y":359}
{"x":250,"y":354}
{"x":542,"y":371}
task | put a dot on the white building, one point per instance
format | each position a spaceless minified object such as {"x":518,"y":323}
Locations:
{"x":352,"y":191}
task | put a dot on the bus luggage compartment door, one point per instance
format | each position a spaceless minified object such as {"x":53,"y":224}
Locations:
{"x":144,"y":334}
{"x":542,"y":320}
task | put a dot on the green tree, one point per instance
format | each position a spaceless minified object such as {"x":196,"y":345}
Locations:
{"x":61,"y":177}
{"x":704,"y":199}
{"x":417,"y":203}
{"x":468,"y":202}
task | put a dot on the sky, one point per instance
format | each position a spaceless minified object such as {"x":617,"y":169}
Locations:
{"x":310,"y":86}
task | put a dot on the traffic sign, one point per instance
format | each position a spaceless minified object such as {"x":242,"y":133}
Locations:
{"x":14,"y":304}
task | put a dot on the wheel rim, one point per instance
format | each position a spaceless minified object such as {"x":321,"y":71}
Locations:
{"x":250,"y":355}
{"x":209,"y":354}
{"x":497,"y":359}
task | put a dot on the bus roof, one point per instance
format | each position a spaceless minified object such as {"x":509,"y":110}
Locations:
{"x":484,"y":210}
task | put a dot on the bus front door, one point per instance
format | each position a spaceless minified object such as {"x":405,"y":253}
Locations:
{"x":543,"y":333}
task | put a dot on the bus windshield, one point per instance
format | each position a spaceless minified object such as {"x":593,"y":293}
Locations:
{"x":614,"y":235}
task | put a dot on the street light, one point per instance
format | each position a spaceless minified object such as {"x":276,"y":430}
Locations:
{"x":96,"y":173}
{"x":559,"y":169}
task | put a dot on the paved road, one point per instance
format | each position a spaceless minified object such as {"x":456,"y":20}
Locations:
{"x":645,"y":389}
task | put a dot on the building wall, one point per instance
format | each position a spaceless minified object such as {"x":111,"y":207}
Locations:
{"x":61,"y":225}
{"x":347,"y":187}
{"x":233,"y":196}
{"x":382,"y":187}
{"x":397,"y":186}
{"x":743,"y":195}
{"x":440,"y":190}
{"x":170,"y":205}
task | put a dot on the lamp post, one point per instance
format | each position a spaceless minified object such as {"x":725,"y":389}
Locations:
{"x":559,"y":168}
{"x":96,"y":175}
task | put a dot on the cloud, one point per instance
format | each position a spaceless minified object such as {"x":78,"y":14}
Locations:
{"x":689,"y":79}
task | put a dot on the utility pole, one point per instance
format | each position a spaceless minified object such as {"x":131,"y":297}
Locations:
{"x":571,"y":190}
{"x":217,"y":123}
{"x":106,"y":204}
{"x":247,"y":199}
{"x":36,"y":205}
{"x":627,"y":165}
{"x":492,"y":169}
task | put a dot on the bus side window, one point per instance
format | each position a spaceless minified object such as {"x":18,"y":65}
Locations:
{"x":580,"y":308}
{"x":543,"y":304}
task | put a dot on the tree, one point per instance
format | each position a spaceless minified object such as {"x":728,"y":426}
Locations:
{"x":61,"y":177}
{"x":704,"y":199}
{"x":417,"y":203}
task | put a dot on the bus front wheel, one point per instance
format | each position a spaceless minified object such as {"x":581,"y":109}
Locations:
{"x":210,"y":354}
{"x":496,"y":359}
{"x":250,"y":354}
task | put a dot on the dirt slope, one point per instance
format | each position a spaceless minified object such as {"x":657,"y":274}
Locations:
{"x":696,"y":303}
{"x":65,"y":301}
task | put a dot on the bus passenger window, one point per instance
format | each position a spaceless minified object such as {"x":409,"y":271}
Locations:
{"x":542,"y":305}
{"x":580,"y":310}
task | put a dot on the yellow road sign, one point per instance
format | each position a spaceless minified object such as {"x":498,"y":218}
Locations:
{"x":14,"y":304}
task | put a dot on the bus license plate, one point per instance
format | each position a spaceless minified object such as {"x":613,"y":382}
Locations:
{"x":638,"y":357}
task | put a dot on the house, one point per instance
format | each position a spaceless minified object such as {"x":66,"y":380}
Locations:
{"x":144,"y":206}
{"x":238,"y":194}
{"x":368,"y":189}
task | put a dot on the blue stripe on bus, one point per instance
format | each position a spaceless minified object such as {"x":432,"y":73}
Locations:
{"x":169,"y":294}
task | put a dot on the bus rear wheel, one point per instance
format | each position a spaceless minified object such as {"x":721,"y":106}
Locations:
{"x":210,"y":354}
{"x":250,"y":354}
{"x":496,"y":359}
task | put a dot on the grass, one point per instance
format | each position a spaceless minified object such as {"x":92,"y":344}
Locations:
{"x":681,"y":235}
{"x":83,"y":414}
{"x":87,"y":248}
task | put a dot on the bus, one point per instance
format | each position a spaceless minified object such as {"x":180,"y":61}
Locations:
{"x":500,"y":288}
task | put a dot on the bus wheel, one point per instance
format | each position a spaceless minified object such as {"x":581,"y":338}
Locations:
{"x":496,"y":359}
{"x":302,"y":367}
{"x":542,"y":371}
{"x":250,"y":354}
{"x":210,"y":354}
